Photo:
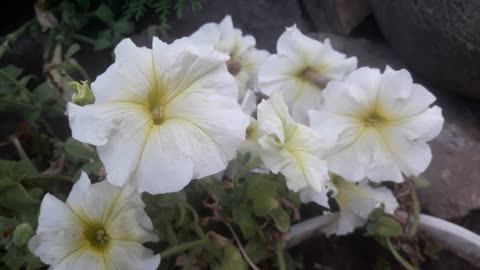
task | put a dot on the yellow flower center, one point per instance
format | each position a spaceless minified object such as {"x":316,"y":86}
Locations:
{"x":97,"y":236}
{"x":155,"y":105}
{"x":374,"y":119}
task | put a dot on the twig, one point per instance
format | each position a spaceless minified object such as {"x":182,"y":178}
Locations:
{"x":239,"y":244}
{"x":397,"y":256}
{"x":19,"y":148}
{"x":280,"y":256}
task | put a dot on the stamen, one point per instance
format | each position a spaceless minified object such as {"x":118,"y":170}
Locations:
{"x":314,"y":77}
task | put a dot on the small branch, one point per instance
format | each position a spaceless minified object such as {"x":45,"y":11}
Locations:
{"x":20,"y":150}
{"x":84,"y":38}
{"x":280,"y":256}
{"x":182,"y":247}
{"x":239,"y":244}
{"x":397,"y":256}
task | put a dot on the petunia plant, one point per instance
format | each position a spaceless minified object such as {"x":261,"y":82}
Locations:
{"x":204,"y":153}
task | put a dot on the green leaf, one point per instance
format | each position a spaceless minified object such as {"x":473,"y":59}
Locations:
{"x":79,"y":150}
{"x":43,"y":93}
{"x":14,"y":171}
{"x":256,"y":250}
{"x":12,"y":71}
{"x":13,"y":259}
{"x":16,"y":197}
{"x":382,"y":224}
{"x":263,"y":206}
{"x":105,"y":14}
{"x":124,"y":27}
{"x":232,"y":259}
{"x":22,"y":234}
{"x":72,"y":50}
{"x":281,"y":219}
{"x":101,"y":44}
{"x":242,"y":215}
{"x":260,"y":188}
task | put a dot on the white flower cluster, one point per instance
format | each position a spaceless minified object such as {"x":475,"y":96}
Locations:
{"x":177,"y":112}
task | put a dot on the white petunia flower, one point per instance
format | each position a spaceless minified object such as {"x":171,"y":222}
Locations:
{"x":162,"y":116}
{"x":291,"y":148}
{"x":301,"y":69}
{"x":383,"y":123}
{"x":245,"y":59}
{"x":355,"y":200}
{"x":101,"y":226}
{"x":253,"y":133}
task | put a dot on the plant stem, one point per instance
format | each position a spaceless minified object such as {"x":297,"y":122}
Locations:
{"x":182,"y":247}
{"x":280,"y":256}
{"x":397,"y":256}
{"x":84,"y":38}
{"x":416,"y":212}
{"x":239,"y":244}
{"x":20,"y":150}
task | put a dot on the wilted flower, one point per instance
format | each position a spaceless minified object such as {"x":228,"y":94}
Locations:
{"x":163,"y":116}
{"x":383,"y":122}
{"x":301,"y":69}
{"x":101,"y":226}
{"x":245,"y":59}
{"x":355,"y":200}
{"x":291,"y":148}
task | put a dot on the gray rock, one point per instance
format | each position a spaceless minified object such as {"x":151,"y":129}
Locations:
{"x":454,"y":173}
{"x":266,"y":20}
{"x":338,"y":16}
{"x":440,"y":40}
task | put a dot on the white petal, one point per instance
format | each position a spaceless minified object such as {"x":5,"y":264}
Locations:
{"x":309,"y":195}
{"x":355,"y":96}
{"x":82,"y":117}
{"x":365,"y":156}
{"x":407,"y":139}
{"x":129,"y":78}
{"x":79,"y":191}
{"x":356,"y":202}
{"x":55,"y":215}
{"x":164,"y":167}
{"x":278,"y":73}
{"x":124,"y":255}
{"x":249,"y":102}
{"x":122,"y":153}
{"x":250,"y":63}
{"x":273,"y":117}
{"x":178,"y":66}
{"x":83,"y":259}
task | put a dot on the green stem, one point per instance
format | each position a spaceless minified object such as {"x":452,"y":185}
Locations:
{"x":20,"y":150}
{"x":416,"y":213}
{"x":84,"y":38}
{"x":280,"y":256}
{"x":18,"y":105}
{"x":182,"y":247}
{"x":397,"y":256}
{"x":52,"y":177}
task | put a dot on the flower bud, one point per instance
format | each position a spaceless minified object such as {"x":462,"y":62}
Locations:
{"x":83,"y":95}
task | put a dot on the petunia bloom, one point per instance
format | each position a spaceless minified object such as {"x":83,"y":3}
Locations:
{"x":291,"y":148}
{"x":162,"y":116}
{"x":383,"y":123}
{"x":301,"y":69}
{"x":355,"y":200}
{"x":100,"y":226}
{"x":245,"y":60}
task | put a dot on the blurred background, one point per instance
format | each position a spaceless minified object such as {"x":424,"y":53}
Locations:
{"x":55,"y":42}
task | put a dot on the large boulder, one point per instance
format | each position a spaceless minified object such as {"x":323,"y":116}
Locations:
{"x":440,"y":40}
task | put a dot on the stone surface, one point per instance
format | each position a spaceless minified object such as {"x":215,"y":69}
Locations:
{"x":338,"y":16}
{"x":264,"y":19}
{"x":440,"y":40}
{"x":454,"y":173}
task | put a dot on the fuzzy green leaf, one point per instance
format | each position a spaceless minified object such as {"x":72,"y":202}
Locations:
{"x":281,"y":219}
{"x":242,"y":215}
{"x":262,"y":206}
